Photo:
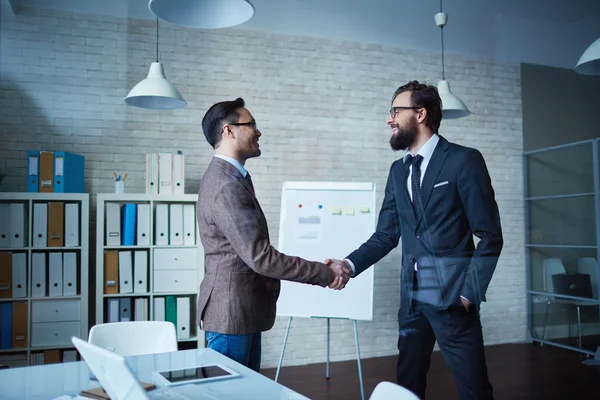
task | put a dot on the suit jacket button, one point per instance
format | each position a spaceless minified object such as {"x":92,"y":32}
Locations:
{"x":418,"y":236}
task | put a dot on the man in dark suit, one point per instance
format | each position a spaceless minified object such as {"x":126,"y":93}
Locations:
{"x":437,"y":197}
{"x":240,"y":288}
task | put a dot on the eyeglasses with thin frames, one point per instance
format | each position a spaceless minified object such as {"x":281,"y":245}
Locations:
{"x":394,"y":110}
{"x":251,"y":124}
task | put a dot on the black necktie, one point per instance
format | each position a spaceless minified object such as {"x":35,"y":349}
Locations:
{"x":249,"y":180}
{"x":415,"y":179}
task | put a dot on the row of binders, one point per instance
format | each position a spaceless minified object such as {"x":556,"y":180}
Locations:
{"x":13,"y":325}
{"x":124,"y":310}
{"x":129,"y":224}
{"x":55,"y":172}
{"x":165,"y":173}
{"x":59,"y":279}
{"x":55,"y":224}
{"x":53,"y":357}
{"x":169,"y":308}
{"x":125,"y":272}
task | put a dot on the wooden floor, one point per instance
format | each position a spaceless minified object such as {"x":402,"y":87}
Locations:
{"x":517,"y":372}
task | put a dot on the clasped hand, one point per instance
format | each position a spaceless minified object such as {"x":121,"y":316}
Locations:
{"x":341,"y":272}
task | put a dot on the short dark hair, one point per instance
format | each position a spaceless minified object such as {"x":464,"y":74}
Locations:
{"x":427,"y":97}
{"x":216,"y":116}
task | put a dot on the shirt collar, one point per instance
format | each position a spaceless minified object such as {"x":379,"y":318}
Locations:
{"x":235,"y":163}
{"x":426,"y":151}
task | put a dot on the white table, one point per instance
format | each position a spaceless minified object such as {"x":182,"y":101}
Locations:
{"x":50,"y":381}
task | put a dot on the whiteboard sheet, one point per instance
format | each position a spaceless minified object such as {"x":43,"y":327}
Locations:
{"x":322,"y":220}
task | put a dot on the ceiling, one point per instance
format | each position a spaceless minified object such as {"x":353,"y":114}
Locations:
{"x":547,"y":32}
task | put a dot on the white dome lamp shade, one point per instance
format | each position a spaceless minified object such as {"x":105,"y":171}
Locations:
{"x":155,"y":92}
{"x":589,"y":63}
{"x":203,"y":14}
{"x":452,"y":106}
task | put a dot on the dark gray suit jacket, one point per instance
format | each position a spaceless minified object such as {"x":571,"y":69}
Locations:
{"x":240,"y":288}
{"x":441,"y":242}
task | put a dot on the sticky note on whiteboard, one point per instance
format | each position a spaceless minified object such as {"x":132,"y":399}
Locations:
{"x":348,"y":210}
{"x":336,"y":210}
{"x":364,"y":209}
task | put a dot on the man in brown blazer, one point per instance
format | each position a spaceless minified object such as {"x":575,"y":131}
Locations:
{"x":239,"y":291}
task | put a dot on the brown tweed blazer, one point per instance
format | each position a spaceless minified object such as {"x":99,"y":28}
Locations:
{"x":241,"y":284}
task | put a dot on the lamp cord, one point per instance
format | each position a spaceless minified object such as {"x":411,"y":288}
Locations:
{"x":442,"y":35}
{"x":156,"y":39}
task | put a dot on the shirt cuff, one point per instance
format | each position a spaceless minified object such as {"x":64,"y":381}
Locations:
{"x":351,"y":266}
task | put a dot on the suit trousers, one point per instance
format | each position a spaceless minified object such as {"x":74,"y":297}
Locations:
{"x":460,"y":339}
{"x":245,"y":349}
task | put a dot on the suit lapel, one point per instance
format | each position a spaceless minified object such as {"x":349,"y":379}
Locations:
{"x":433,"y":170}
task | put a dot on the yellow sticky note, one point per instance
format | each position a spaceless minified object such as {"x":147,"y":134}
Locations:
{"x":336,"y":210}
{"x":348,"y":210}
{"x":364,"y":209}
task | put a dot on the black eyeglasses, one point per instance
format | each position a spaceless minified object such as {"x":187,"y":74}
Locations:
{"x":251,"y":124}
{"x":394,"y":110}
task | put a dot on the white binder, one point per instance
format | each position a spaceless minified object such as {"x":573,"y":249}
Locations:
{"x":113,"y":224}
{"x":189,"y":225}
{"x":55,"y":274}
{"x":17,"y":225}
{"x":19,"y":275}
{"x":165,"y":173}
{"x":40,"y":225}
{"x":178,"y":173}
{"x":125,"y":272}
{"x":71,"y":225}
{"x":113,"y":310}
{"x":4,"y":227}
{"x":140,"y":272}
{"x":38,"y":275}
{"x":140,"y":306}
{"x":151,"y":173}
{"x":176,"y":224}
{"x":143,"y":225}
{"x":70,"y":274}
{"x":161,"y":225}
{"x":159,"y":309}
{"x":183,"y":318}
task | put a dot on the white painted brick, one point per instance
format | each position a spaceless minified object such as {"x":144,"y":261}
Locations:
{"x":321,"y":105}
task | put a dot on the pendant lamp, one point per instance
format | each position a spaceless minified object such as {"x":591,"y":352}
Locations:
{"x":204,"y":14}
{"x":589,"y":63}
{"x":452,"y":106}
{"x":155,"y":92}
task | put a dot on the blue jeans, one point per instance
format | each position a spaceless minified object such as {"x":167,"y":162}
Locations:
{"x":244,"y":349}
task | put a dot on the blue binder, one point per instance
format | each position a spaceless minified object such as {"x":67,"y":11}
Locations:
{"x":128,"y":223}
{"x":6,"y":326}
{"x":68,"y":172}
{"x":33,"y":170}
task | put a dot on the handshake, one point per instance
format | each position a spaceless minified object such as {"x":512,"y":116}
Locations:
{"x":341,"y":270}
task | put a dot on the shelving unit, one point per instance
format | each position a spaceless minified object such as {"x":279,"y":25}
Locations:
{"x":45,"y":297}
{"x":173,"y":270}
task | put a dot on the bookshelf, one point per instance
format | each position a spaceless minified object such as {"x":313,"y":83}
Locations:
{"x":155,"y":272}
{"x":44,"y":256}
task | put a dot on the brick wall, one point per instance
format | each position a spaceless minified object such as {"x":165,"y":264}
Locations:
{"x":321,"y":105}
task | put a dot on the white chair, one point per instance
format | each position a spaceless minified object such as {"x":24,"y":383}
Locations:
{"x":135,"y":337}
{"x":388,"y":390}
{"x":553,"y":266}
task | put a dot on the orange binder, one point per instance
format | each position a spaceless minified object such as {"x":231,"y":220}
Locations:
{"x":6,"y":291}
{"x":111,"y":272}
{"x":56,"y":224}
{"x":46,"y":177}
{"x":19,"y":324}
{"x":52,"y":357}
